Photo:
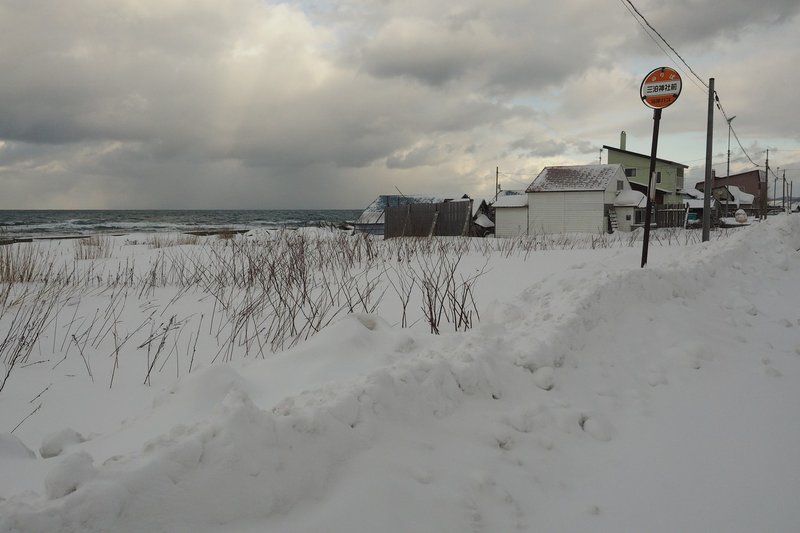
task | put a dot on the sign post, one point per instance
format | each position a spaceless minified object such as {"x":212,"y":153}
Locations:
{"x":659,"y":89}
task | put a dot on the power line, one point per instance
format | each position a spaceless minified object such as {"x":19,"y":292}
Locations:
{"x":627,"y":3}
{"x":659,"y":45}
{"x":733,"y":130}
{"x":667,"y":43}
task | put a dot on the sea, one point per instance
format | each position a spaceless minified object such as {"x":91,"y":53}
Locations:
{"x":19,"y":224}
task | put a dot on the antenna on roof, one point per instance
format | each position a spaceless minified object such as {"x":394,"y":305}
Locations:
{"x":401,"y":192}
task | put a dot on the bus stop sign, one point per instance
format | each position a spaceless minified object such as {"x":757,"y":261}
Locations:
{"x":660,"y":88}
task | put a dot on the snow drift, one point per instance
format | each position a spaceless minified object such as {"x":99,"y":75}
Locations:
{"x":602,"y":398}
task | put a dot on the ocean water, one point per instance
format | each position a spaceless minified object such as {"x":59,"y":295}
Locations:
{"x":55,"y":223}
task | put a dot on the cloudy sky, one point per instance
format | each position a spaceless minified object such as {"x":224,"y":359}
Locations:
{"x":327,"y":103}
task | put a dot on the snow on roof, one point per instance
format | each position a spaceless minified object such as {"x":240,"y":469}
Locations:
{"x":740,"y":197}
{"x":630,"y":198}
{"x":512,"y":200}
{"x":509,"y":192}
{"x":694,"y":193}
{"x":574,"y":178}
{"x":373,"y":214}
{"x":694,"y":203}
{"x":483,"y":221}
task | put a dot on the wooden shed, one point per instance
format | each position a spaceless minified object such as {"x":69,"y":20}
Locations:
{"x":574,"y":198}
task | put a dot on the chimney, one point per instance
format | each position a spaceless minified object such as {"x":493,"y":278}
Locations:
{"x":622,"y":140}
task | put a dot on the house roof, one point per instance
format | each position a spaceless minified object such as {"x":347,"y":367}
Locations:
{"x":735,"y":195}
{"x":693,"y":193}
{"x":630,"y":198}
{"x":752,"y":177}
{"x":658,"y":159}
{"x":642,"y":187}
{"x":512,"y":200}
{"x":483,"y":221}
{"x":574,"y":178}
{"x":739,"y":196}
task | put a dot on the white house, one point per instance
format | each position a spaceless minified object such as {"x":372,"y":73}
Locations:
{"x":511,"y":215}
{"x":630,"y":207}
{"x":574,"y":198}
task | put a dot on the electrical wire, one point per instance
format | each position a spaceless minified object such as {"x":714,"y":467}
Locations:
{"x":661,"y":47}
{"x":667,"y":43}
{"x":733,"y":130}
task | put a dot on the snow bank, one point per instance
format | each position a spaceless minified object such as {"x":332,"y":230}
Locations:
{"x":578,"y":406}
{"x":12,"y":447}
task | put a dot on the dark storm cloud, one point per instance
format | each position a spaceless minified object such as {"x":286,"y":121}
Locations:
{"x":250,"y":103}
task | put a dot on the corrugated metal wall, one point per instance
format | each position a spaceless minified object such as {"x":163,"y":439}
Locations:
{"x":511,"y":221}
{"x":423,"y":220}
{"x":560,"y":212}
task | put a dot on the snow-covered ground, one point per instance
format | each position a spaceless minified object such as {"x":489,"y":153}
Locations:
{"x":591,"y":395}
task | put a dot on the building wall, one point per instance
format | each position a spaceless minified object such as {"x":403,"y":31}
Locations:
{"x":561,"y":212}
{"x":669,"y":173}
{"x":623,"y":213}
{"x":746,"y":181}
{"x":510,"y":221}
{"x":611,"y":191}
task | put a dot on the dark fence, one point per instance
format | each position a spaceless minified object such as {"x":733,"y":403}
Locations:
{"x":425,"y":220}
{"x":670,"y":215}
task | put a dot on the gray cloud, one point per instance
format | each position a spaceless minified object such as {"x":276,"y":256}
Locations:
{"x":246,"y":103}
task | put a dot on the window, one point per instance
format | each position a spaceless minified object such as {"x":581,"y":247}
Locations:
{"x":620,"y":185}
{"x":658,"y":177}
{"x":630,"y":172}
{"x":679,"y":172}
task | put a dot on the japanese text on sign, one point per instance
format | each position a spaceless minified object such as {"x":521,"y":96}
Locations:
{"x":660,"y":88}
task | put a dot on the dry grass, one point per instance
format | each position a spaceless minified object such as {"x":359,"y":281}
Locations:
{"x":226,"y":233}
{"x":240,"y":297}
{"x":94,"y":247}
{"x":167,"y":240}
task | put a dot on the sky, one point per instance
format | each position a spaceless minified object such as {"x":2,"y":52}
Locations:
{"x":248,"y":104}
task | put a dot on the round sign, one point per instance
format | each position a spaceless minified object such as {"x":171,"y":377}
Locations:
{"x":660,"y":88}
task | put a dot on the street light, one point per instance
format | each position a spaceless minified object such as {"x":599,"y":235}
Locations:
{"x":729,"y":145}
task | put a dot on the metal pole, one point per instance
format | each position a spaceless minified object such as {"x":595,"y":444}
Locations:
{"x":764,"y":188}
{"x":729,"y":144}
{"x":650,"y":187}
{"x":496,"y":182}
{"x":708,"y":183}
{"x":783,"y":192}
{"x":775,"y":186}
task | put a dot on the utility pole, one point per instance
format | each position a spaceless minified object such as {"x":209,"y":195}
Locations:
{"x":496,"y":182}
{"x":708,"y":183}
{"x":775,"y":185}
{"x":729,"y":144}
{"x":764,"y":189}
{"x":783,"y":191}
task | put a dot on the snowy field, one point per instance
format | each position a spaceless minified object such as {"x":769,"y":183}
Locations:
{"x":293,"y":382}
